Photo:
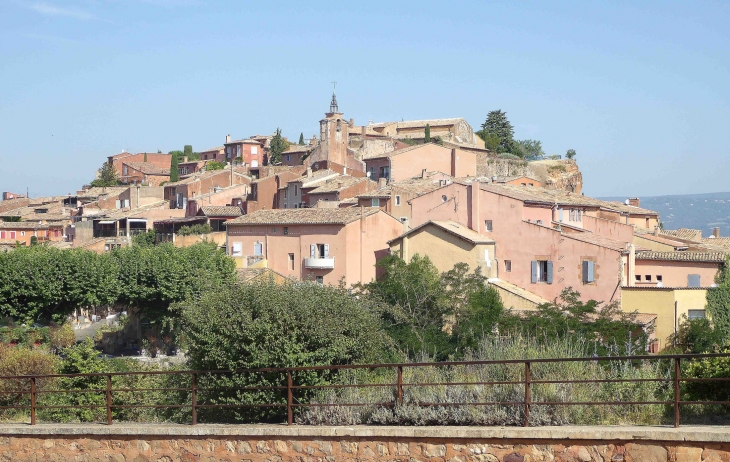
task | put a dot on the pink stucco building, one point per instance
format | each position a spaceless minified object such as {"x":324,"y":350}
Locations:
{"x":324,"y":245}
{"x":409,"y":162}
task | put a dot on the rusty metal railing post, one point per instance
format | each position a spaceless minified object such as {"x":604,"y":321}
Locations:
{"x":676,"y":392}
{"x":109,"y":399}
{"x":32,"y":400}
{"x":399,"y":386}
{"x":527,"y":394}
{"x":194,"y":394}
{"x":289,"y":398}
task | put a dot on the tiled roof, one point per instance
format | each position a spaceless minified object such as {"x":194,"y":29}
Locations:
{"x":598,"y":240}
{"x":197,"y":176}
{"x":97,"y":191}
{"x":122,"y":213}
{"x":339,"y":183}
{"x":420,"y":123}
{"x":452,"y":227}
{"x":714,"y":257}
{"x":660,"y":239}
{"x":720,"y":242}
{"x":297,"y":148}
{"x":222,"y":211}
{"x":148,"y":168}
{"x":245,"y":141}
{"x":518,"y":291}
{"x":304,"y":216}
{"x":397,"y":152}
{"x":250,"y":274}
{"x":218,"y":149}
{"x":25,"y":225}
{"x":415,"y":186}
{"x":684,"y":233}
{"x":319,"y":175}
{"x":560,"y":197}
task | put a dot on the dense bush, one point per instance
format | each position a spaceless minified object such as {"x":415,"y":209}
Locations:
{"x":195,"y":230}
{"x":264,"y":325}
{"x":518,"y":347}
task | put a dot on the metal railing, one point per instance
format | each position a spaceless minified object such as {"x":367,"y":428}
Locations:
{"x":32,"y":385}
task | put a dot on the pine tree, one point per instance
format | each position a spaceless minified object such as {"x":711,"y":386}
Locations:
{"x":107,"y":176}
{"x":301,"y":139}
{"x":277,"y":145}
{"x":174,"y":174}
{"x":427,"y":138}
{"x":498,"y":125}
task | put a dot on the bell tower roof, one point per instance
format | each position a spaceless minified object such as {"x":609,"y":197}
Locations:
{"x":333,"y":104}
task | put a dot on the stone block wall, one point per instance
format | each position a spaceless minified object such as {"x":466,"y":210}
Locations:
{"x":284,"y":446}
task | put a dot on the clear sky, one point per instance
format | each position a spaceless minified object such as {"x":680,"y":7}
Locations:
{"x":640,"y":90}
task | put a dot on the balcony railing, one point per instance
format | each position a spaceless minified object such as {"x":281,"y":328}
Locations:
{"x":319,"y":263}
{"x":132,"y":232}
{"x":105,"y":233}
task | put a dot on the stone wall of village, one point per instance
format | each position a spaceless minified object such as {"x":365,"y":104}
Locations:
{"x":217,"y":449}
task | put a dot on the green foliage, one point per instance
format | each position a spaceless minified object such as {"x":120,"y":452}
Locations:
{"x":696,"y":336}
{"x":491,"y":140}
{"x":437,"y":140}
{"x":484,"y":315}
{"x":498,"y":125}
{"x":277,"y":146}
{"x":301,"y":139}
{"x":708,"y":368}
{"x":145,"y":239}
{"x":174,"y":162}
{"x":556,"y":169}
{"x":14,"y":219}
{"x":215,"y":166}
{"x":427,"y":136}
{"x":188,"y":151}
{"x":570,"y":153}
{"x":718,"y":301}
{"x":262,"y":325}
{"x":509,"y":156}
{"x":107,"y":176}
{"x":531,"y":149}
{"x":195,"y":230}
{"x":605,"y":326}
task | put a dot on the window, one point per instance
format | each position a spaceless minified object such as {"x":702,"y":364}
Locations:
{"x":444,"y":198}
{"x":397,"y":200}
{"x":375,"y":202}
{"x":125,"y":170}
{"x":542,"y":271}
{"x":637,"y":278}
{"x":291,"y":262}
{"x":296,"y":190}
{"x":647,"y":278}
{"x":523,"y":184}
{"x":254,"y":163}
{"x":273,"y":230}
{"x":385,"y":172}
{"x":372,"y":174}
{"x":22,"y":233}
{"x":258,"y":249}
{"x":228,"y":152}
{"x":693,"y":280}
{"x":659,"y":278}
{"x":12,"y":234}
{"x":286,"y":206}
{"x":254,"y":150}
{"x":696,"y":314}
{"x":589,"y":271}
{"x":2,"y":234}
{"x":285,"y":193}
{"x":487,"y":260}
{"x":319,"y":279}
{"x":236,"y":249}
{"x":508,"y":266}
{"x":288,"y":158}
{"x":286,"y":230}
{"x":488,"y":225}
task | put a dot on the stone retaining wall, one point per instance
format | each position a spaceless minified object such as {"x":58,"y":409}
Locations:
{"x":210,"y":443}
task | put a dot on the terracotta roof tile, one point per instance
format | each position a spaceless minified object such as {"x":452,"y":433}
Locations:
{"x":454,"y":228}
{"x":714,"y":257}
{"x":304,"y":216}
{"x":339,"y":183}
{"x":148,"y":168}
{"x":221,"y":211}
{"x":684,"y":233}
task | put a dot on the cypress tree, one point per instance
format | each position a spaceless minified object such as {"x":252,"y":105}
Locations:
{"x":188,"y":151}
{"x":174,"y":174}
{"x":301,"y":139}
{"x":427,"y":138}
{"x":145,"y":157}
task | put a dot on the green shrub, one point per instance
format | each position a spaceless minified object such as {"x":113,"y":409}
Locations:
{"x":22,"y":360}
{"x":210,"y":166}
{"x":195,"y":230}
{"x":708,"y":368}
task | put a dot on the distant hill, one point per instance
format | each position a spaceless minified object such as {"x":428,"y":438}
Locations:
{"x":696,"y":211}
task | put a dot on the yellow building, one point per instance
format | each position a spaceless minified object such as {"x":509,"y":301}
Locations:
{"x":447,"y":243}
{"x":668,"y":303}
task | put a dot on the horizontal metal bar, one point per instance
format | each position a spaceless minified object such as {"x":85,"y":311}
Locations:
{"x":441,"y":384}
{"x":364,"y":385}
{"x":240,"y":405}
{"x":602,"y":381}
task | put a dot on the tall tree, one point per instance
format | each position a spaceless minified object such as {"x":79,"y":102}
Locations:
{"x":498,"y":125}
{"x":277,"y":146}
{"x":427,"y":137}
{"x":301,"y":139}
{"x":718,"y":301}
{"x":188,"y":151}
{"x":570,"y":154}
{"x":145,"y":157}
{"x":529,"y":148}
{"x":174,"y":173}
{"x":107,"y":176}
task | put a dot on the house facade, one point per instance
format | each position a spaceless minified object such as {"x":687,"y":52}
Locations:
{"x":323,"y":245}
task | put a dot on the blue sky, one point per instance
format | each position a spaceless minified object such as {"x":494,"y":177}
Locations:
{"x":640,"y":90}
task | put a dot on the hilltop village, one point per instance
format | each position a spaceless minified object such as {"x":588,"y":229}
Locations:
{"x":328,"y":208}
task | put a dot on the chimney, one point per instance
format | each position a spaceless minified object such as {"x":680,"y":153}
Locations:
{"x":352,"y":122}
{"x":363,"y":130}
{"x":716,"y":232}
{"x":309,"y":172}
{"x":382,"y":182}
{"x":228,"y":138}
{"x":185,"y":159}
{"x":634,"y":201}
{"x":423,"y":174}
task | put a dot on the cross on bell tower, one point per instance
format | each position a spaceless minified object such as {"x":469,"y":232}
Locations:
{"x":333,"y":105}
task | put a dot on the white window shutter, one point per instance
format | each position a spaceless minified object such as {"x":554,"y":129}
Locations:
{"x":326,"y":251}
{"x":313,"y":250}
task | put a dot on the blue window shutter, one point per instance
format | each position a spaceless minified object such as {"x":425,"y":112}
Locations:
{"x":560,"y":215}
{"x":549,"y":272}
{"x":591,"y":271}
{"x":533,"y":266}
{"x":585,"y":271}
{"x":693,"y":280}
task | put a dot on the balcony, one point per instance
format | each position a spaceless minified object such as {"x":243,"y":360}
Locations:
{"x":319,"y":263}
